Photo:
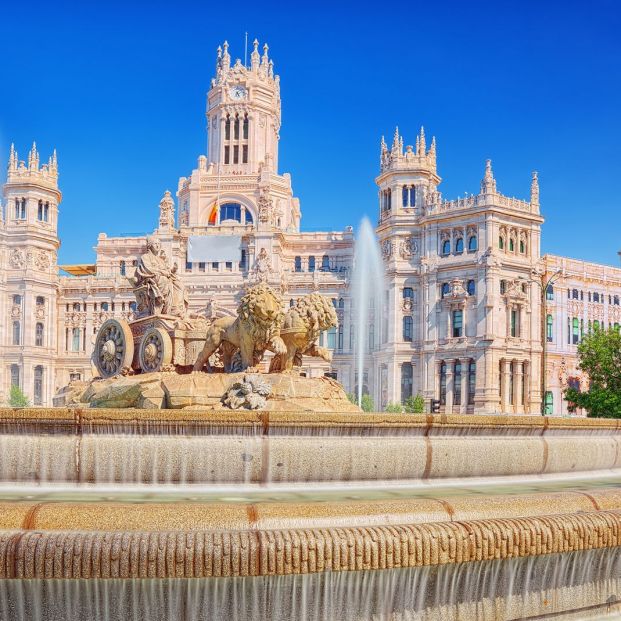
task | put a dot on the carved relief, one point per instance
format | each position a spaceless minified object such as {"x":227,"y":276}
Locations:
{"x":262,"y":266}
{"x":387,"y":248}
{"x":408,"y":248}
{"x":17,"y":258}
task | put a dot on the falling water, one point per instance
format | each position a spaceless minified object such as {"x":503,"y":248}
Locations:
{"x":367,"y":288}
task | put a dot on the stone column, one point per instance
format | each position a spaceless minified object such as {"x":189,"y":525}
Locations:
{"x":506,"y":385}
{"x":448,"y":408}
{"x":464,"y":384}
{"x":518,"y":387}
{"x":527,"y":404}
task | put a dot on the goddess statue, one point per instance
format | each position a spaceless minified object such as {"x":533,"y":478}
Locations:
{"x":156,"y":284}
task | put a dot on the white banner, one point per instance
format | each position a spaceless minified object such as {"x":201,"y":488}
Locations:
{"x":212,"y":248}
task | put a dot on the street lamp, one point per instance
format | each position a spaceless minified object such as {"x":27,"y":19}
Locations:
{"x":544,"y":284}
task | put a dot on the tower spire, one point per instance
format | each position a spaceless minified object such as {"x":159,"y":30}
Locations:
{"x":254,"y":56}
{"x":395,"y":139}
{"x":33,"y":157}
{"x":534,"y":190}
{"x":226,"y":57}
{"x":488,"y":183}
{"x":13,"y":158}
{"x":423,"y":144}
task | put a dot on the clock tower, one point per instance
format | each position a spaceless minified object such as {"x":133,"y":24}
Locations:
{"x":243,"y":114}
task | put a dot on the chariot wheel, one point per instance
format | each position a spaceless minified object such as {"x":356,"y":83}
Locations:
{"x":156,"y":350}
{"x":114,"y":348}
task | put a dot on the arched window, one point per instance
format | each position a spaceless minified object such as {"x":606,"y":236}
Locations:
{"x":407,"y":375}
{"x":458,"y":323}
{"x":341,"y":303}
{"x":249,"y":218}
{"x":246,"y":128}
{"x":40,"y":300}
{"x":46,"y":212}
{"x":408,"y":293}
{"x":122,"y":268}
{"x":311,"y":264}
{"x":104,"y":306}
{"x":472,"y":379}
{"x":17,"y":333}
{"x":549,"y":323}
{"x":15,"y":375}
{"x":522,"y":246}
{"x":38,"y":385}
{"x":325,"y":263}
{"x":574,"y":294}
{"x":615,"y":300}
{"x":404,"y":195}
{"x":501,"y":242}
{"x":470,"y":287}
{"x":40,"y":211}
{"x":459,"y":245}
{"x":230,"y":211}
{"x":596,"y":297}
{"x":76,"y":306}
{"x":17,"y":300}
{"x":413,"y":196}
{"x":297,"y":262}
{"x":407,"y":328}
{"x":457,"y":383}
{"x":227,"y":129}
{"x":472,"y":243}
{"x":236,"y":134}
{"x":442,"y":383}
{"x":511,"y":245}
{"x":445,"y":289}
{"x":446,"y":247}
{"x":39,"y":335}
{"x":550,"y":293}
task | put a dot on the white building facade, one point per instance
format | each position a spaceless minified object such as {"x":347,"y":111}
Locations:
{"x":462,"y":316}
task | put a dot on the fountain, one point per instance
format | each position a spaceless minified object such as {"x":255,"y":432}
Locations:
{"x":242,"y":495}
{"x":367,"y":289}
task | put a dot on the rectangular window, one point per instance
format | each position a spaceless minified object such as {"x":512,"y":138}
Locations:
{"x":201,"y":267}
{"x":215,"y":266}
{"x":229,"y":266}
{"x":188,"y":266}
{"x":75,"y":339}
{"x":242,"y":263}
{"x":515,"y":323}
{"x":575,"y":331}
{"x":458,"y":323}
{"x":472,"y":376}
{"x":236,"y":154}
{"x":245,"y":154}
{"x":227,"y":155}
{"x":457,"y":384}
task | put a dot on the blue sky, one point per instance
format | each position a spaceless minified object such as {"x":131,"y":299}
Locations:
{"x":119,"y":90}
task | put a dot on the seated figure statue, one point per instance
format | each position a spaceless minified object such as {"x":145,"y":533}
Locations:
{"x":156,"y":284}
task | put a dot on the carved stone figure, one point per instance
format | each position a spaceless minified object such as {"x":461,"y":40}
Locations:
{"x":250,"y":393}
{"x":262,"y":267}
{"x":302,"y":325}
{"x":256,"y":329}
{"x":156,"y":285}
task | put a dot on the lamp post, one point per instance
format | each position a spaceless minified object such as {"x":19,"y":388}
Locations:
{"x":544,"y":284}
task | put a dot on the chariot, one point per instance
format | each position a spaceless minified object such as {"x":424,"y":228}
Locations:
{"x":148,"y":344}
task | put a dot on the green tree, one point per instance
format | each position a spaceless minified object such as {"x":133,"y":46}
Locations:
{"x":600,"y":357}
{"x":17,"y":398}
{"x":395,"y":408}
{"x":366,"y":404}
{"x":415,"y":405}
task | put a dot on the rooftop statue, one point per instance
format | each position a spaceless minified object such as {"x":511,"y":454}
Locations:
{"x":156,"y":284}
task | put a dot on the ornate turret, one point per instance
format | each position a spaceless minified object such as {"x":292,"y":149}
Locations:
{"x":488,"y":183}
{"x":417,"y":158}
{"x":12,"y":159}
{"x":33,"y":157}
{"x":167,"y":212}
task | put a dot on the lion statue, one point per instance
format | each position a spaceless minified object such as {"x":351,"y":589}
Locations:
{"x":255,"y":329}
{"x":303,"y":323}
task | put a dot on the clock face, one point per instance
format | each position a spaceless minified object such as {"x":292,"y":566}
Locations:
{"x":237,"y":92}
